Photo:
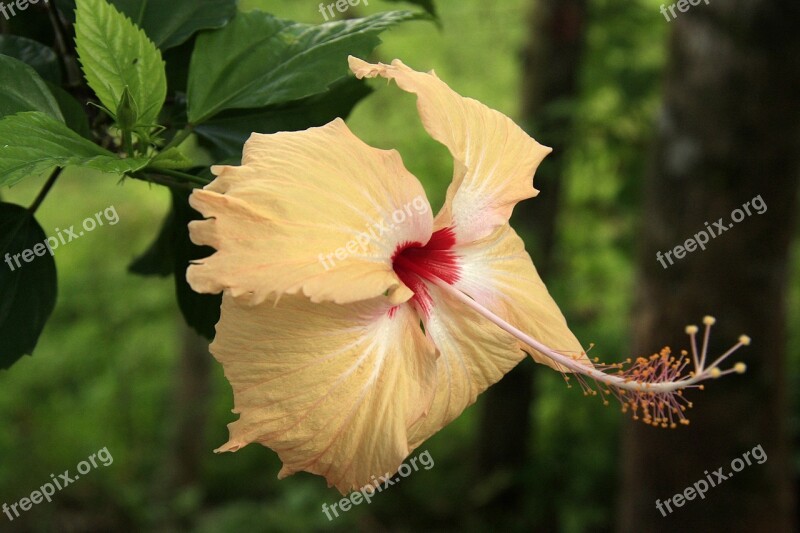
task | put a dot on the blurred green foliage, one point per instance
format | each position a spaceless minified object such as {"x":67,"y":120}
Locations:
{"x":105,"y":368}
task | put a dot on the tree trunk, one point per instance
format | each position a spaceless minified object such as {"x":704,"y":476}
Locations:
{"x":189,"y":412}
{"x":728,"y":132}
{"x":556,"y":30}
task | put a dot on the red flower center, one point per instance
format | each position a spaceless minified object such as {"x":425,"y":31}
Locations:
{"x":413,"y":263}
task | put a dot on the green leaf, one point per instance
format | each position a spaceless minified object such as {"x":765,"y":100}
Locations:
{"x":127,"y":112}
{"x":34,"y":54}
{"x":22,"y":89}
{"x":229,"y":130}
{"x":28,"y":284}
{"x":178,"y":59}
{"x":172,"y":159}
{"x":32,"y":143}
{"x":74,"y":114}
{"x":258,"y":60}
{"x":171,"y":253}
{"x":115,"y":54}
{"x":171,"y":23}
{"x":159,"y":258}
{"x":168,"y":23}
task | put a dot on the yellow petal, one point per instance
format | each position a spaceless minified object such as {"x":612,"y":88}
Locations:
{"x":331,"y":388}
{"x":494,"y":158}
{"x":316,"y":211}
{"x":498,"y":273}
{"x":473,"y":355}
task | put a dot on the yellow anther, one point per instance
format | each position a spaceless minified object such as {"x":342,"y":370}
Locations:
{"x":709,"y":320}
{"x":740,"y":368}
{"x":744,"y":339}
{"x":691,"y":330}
{"x":715,"y":372}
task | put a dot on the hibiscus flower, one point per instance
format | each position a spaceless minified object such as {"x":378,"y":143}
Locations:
{"x":354,"y":327}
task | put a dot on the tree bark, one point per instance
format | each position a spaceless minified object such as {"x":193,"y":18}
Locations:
{"x":728,"y":132}
{"x":189,"y":412}
{"x":557,"y":29}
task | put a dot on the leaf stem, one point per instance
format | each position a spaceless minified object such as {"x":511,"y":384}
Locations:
{"x":179,"y":137}
{"x":180,"y":175}
{"x":66,"y":52}
{"x":46,"y":189}
{"x":164,"y":181}
{"x":127,"y":141}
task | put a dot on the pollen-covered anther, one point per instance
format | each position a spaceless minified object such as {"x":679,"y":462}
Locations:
{"x":651,"y":388}
{"x":745,"y":340}
{"x":652,"y":384}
